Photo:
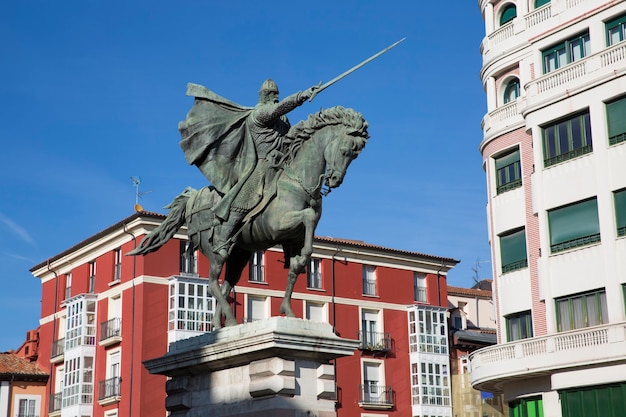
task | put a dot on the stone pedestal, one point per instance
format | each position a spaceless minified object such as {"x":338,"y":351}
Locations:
{"x":278,"y":367}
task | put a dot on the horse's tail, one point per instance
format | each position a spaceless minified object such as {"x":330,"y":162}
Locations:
{"x":166,"y":230}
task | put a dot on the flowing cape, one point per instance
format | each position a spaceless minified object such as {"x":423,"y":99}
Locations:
{"x":216,"y":139}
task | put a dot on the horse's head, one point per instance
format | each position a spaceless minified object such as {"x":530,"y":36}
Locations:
{"x":345,"y":147}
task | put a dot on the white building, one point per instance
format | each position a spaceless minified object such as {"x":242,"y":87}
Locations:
{"x":554,"y":153}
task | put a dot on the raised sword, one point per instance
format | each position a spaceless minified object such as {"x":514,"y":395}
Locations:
{"x":324,"y":86}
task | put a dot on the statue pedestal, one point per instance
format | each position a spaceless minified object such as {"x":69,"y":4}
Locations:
{"x":277,"y":367}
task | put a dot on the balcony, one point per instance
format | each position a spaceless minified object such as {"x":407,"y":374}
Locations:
{"x":54,"y":406}
{"x":110,"y":332}
{"x":378,"y":397}
{"x":492,"y":367}
{"x":58,"y":349}
{"x":577,"y":75}
{"x":109,"y":391}
{"x":374,"y":342}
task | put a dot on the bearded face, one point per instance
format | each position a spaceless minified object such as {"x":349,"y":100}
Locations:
{"x":268,"y":96}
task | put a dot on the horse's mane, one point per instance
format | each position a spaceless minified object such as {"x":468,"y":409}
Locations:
{"x":355,"y":124}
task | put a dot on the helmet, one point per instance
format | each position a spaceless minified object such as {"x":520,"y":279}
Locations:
{"x":269,"y":85}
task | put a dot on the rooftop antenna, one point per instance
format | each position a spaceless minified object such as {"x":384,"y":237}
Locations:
{"x":136,"y":181}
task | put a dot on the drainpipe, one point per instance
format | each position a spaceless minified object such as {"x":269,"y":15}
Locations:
{"x":132,"y":316}
{"x":54,"y":326}
{"x":438,"y":286}
{"x":477,"y":313}
{"x":333,"y":315}
{"x":332,"y":287}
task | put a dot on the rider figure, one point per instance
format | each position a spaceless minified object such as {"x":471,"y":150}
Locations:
{"x":267,"y":124}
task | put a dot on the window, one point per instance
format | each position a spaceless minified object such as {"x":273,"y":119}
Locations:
{"x":511,"y":91}
{"x":428,"y":330}
{"x":419,"y":287}
{"x":565,"y":53}
{"x":526,"y":407}
{"x":567,"y":139}
{"x":188,"y":258}
{"x":315,"y":312}
{"x":581,"y":310}
{"x":78,"y":383}
{"x":574,"y":225}
{"x":117,"y":272}
{"x":110,"y":387}
{"x":624,"y":295}
{"x":508,"y":171}
{"x":68,"y":285}
{"x":92,"y":276}
{"x":257,"y":308}
{"x":256,"y":267}
{"x":539,"y":3}
{"x":191,"y":307}
{"x":620,"y":211}
{"x":509,"y":12}
{"x":112,"y":328}
{"x":369,"y":280}
{"x":27,"y":405}
{"x":458,"y":316}
{"x":519,"y":326}
{"x":314,"y":274}
{"x":615,"y":30}
{"x":373,"y":390}
{"x":596,"y":400}
{"x":513,"y":250}
{"x":616,"y":120}
{"x":372,"y":337}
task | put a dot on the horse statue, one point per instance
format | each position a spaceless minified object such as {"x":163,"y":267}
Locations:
{"x":317,"y":152}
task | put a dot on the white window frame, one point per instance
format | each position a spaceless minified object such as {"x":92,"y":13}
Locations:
{"x":117,"y":265}
{"x":257,"y":266}
{"x":28,"y":398}
{"x":377,"y":328}
{"x":317,"y":304}
{"x":92,"y":276}
{"x":380,"y":364}
{"x":257,"y":300}
{"x":369,"y":280}
{"x":188,"y":262}
{"x":419,"y":291}
{"x":314,"y":274}
{"x":68,"y":285}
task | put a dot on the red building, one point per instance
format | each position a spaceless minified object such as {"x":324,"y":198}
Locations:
{"x":104,"y":313}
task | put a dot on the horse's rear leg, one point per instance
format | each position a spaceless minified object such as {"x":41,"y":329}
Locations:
{"x":234,"y":267}
{"x":222,"y":308}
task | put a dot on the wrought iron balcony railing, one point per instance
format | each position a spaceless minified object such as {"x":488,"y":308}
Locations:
{"x":110,"y":329}
{"x":374,"y":341}
{"x":372,"y":395}
{"x":55,"y":402}
{"x":58,"y":348}
{"x":109,"y":388}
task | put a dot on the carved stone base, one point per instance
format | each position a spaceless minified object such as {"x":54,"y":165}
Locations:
{"x":277,"y":367}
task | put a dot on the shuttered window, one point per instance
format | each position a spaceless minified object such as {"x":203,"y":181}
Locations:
{"x":508,"y":14}
{"x":604,"y":400}
{"x":574,"y":225}
{"x":513,"y":250}
{"x":508,"y":171}
{"x":567,"y":139}
{"x":616,"y":120}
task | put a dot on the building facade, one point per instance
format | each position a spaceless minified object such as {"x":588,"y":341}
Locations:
{"x":554,"y":155}
{"x":472,"y":325}
{"x":104,"y":313}
{"x":22,"y":385}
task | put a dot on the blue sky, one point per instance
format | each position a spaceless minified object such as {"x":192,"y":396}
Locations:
{"x":92,"y":92}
